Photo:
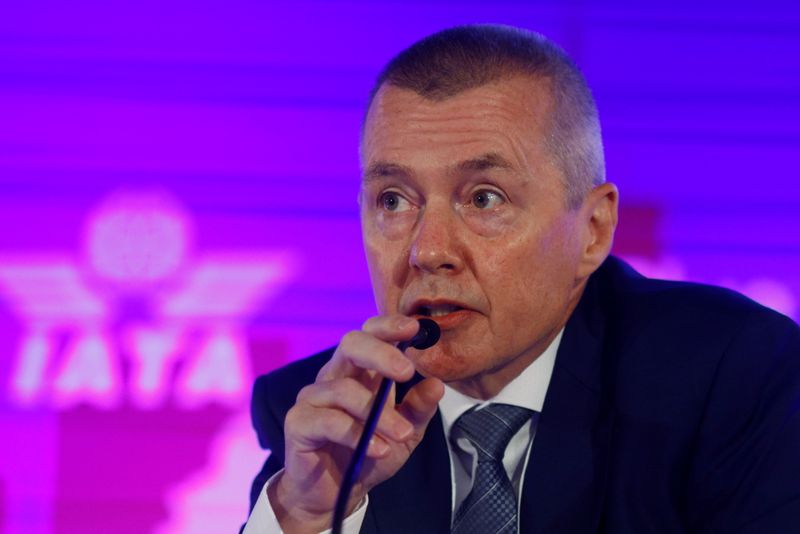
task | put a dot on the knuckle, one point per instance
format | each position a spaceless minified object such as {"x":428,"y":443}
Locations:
{"x":329,"y":425}
{"x":325,"y":370}
{"x":375,"y":323}
{"x":349,"y":394}
{"x":293,"y":417}
{"x":304,"y":394}
{"x":349,"y":340}
{"x":346,"y":386}
{"x":358,"y":348}
{"x":335,"y":389}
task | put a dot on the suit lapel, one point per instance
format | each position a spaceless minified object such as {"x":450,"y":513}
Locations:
{"x":565,"y":478}
{"x":417,"y":498}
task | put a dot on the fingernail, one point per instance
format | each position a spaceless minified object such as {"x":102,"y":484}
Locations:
{"x":406,"y":322}
{"x":402,"y":366}
{"x":403,"y":429}
{"x":380,"y":447}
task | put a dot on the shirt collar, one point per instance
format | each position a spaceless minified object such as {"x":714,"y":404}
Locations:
{"x":527,"y":390}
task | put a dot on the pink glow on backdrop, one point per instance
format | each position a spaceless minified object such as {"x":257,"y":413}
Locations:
{"x":136,"y":237}
{"x":129,"y":328}
{"x":154,"y":353}
{"x":228,"y":285}
{"x":205,"y":502}
{"x":213,"y":367}
{"x":48,"y":289}
{"x":28,"y":465}
{"x":88,"y":373}
{"x":27,"y":379}
{"x":770,"y":292}
{"x":70,"y":353}
{"x":219,"y":371}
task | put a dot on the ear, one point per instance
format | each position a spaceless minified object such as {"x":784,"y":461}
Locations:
{"x":599,"y":217}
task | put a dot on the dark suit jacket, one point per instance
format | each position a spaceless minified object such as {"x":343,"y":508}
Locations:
{"x":672,"y":407}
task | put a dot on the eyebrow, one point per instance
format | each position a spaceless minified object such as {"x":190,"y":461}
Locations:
{"x":382,"y":169}
{"x":484,"y":162}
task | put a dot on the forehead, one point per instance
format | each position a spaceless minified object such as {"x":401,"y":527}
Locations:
{"x":507,"y":117}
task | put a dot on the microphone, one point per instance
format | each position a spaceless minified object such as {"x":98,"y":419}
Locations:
{"x":426,"y":337}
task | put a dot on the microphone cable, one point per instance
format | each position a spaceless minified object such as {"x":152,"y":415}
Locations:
{"x":426,"y":337}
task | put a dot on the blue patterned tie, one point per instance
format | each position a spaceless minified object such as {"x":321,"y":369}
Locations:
{"x":491,"y":506}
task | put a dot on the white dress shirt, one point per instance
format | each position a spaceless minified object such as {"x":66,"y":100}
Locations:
{"x":527,"y":390}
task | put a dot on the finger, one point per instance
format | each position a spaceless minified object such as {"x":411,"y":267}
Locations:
{"x":360,"y":351}
{"x":420,"y":403}
{"x":355,"y":399}
{"x":347,"y":359}
{"x":310,"y":429}
{"x":392,"y":328}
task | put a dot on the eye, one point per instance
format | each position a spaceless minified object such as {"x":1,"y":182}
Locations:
{"x":392,"y":201}
{"x":486,"y":199}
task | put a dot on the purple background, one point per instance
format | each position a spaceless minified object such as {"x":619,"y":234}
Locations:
{"x":177,"y":213}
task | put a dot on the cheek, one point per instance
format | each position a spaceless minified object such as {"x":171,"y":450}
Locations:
{"x":548,"y":276}
{"x":382,"y":261}
{"x":528,"y":277}
{"x":489,"y":223}
{"x":457,"y":355}
{"x":394,"y":226}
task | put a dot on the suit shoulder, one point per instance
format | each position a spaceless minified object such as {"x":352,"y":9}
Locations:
{"x":274,"y":394}
{"x":666,"y":328}
{"x":284,"y":383}
{"x":641,"y":301}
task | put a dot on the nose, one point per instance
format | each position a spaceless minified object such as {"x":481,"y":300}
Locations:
{"x":435,"y":247}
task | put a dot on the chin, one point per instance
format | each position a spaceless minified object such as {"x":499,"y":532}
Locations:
{"x":441,"y":363}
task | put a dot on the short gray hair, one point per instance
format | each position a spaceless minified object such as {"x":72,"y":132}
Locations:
{"x":461,"y":58}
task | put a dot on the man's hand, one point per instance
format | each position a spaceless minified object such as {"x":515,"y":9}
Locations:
{"x":324,"y":425}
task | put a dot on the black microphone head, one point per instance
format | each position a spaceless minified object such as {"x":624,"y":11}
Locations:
{"x":427,"y":336}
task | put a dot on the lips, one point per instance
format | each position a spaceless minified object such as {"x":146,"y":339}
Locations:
{"x":437,"y":310}
{"x":446,"y":313}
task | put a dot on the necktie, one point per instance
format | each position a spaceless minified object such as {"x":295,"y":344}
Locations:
{"x":491,"y":506}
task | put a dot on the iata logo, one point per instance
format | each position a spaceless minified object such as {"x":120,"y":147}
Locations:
{"x":137,"y":315}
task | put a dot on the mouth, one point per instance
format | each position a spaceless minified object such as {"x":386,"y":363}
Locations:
{"x":447,"y":314}
{"x":436,"y":310}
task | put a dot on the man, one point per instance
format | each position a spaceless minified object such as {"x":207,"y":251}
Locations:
{"x":625,"y":405}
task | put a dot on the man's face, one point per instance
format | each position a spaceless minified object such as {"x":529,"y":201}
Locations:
{"x":464,"y":219}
